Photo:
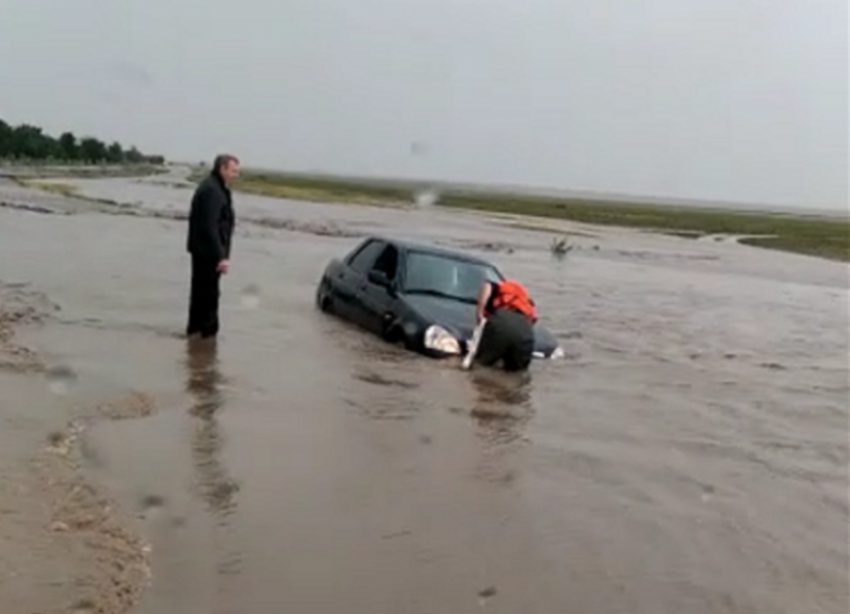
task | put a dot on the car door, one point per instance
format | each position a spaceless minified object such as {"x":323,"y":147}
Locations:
{"x":349,"y":279}
{"x":375,"y":301}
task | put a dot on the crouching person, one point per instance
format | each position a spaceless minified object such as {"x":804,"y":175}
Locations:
{"x":508,"y":334}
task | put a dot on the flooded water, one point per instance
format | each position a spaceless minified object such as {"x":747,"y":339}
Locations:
{"x":689,"y":455}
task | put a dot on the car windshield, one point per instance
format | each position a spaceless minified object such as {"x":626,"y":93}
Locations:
{"x":428,"y":273}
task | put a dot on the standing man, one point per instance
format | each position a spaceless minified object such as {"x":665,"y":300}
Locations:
{"x":211,"y":222}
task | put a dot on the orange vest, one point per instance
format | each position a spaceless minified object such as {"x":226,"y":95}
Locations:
{"x":511,"y":294}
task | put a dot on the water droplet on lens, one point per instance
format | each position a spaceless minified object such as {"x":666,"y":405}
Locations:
{"x":251,"y":296}
{"x":426,"y":198}
{"x":60,"y":378}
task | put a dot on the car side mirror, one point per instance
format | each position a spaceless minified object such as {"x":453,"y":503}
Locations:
{"x":379,"y":278}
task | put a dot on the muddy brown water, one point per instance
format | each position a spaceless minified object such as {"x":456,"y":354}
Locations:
{"x":689,"y":455}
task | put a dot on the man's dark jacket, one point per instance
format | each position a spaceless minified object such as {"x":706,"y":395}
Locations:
{"x":211,"y":220}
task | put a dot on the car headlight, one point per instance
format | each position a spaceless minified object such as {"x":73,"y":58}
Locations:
{"x":438,"y":338}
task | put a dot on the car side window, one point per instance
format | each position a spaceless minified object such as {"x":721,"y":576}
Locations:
{"x":387,"y":262}
{"x":362,"y":261}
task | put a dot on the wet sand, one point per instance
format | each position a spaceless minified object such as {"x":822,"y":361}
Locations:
{"x":689,"y":455}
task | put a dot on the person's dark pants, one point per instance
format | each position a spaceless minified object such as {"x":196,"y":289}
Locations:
{"x":508,"y":336}
{"x":204,"y":297}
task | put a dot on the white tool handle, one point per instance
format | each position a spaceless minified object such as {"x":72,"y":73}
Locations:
{"x":473,"y":344}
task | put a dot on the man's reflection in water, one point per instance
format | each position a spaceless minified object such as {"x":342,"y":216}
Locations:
{"x":501,"y":409}
{"x":203,"y":381}
{"x":502,"y":405}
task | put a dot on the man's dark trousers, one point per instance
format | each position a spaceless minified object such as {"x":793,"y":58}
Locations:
{"x":204,"y":297}
{"x":508,"y":336}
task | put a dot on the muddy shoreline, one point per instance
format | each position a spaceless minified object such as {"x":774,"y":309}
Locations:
{"x":65,"y":544}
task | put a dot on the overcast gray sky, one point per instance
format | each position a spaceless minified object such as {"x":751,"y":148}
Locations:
{"x":742,"y":100}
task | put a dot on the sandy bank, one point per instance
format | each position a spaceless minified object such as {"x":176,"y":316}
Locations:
{"x":65,"y":545}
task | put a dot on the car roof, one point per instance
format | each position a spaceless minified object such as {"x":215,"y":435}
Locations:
{"x":412,"y":246}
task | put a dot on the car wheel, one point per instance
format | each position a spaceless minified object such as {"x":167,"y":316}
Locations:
{"x":396,"y":334}
{"x":325,"y":303}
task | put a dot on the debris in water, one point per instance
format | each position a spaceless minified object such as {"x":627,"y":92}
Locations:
{"x":60,"y":378}
{"x":56,"y":439}
{"x":402,"y":533}
{"x":152,"y":501}
{"x":84,"y":606}
{"x":485,"y":595}
{"x":251,"y":296}
{"x":560,"y":247}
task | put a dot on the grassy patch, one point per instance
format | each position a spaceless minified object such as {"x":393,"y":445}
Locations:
{"x":60,"y":189}
{"x":26,"y":169}
{"x":831,"y":246}
{"x":304,"y":191}
{"x":65,"y":190}
{"x":320,"y":189}
{"x":816,"y":236}
{"x":812,"y":235}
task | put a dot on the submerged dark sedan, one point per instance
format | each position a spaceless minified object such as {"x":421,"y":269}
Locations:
{"x":418,"y":295}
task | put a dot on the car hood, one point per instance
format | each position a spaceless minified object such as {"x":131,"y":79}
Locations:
{"x":455,"y":316}
{"x":459,"y":318}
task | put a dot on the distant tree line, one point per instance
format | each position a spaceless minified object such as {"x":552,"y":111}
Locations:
{"x":27,"y":142}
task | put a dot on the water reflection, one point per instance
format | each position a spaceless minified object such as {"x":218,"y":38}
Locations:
{"x":203,"y":382}
{"x":502,"y":404}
